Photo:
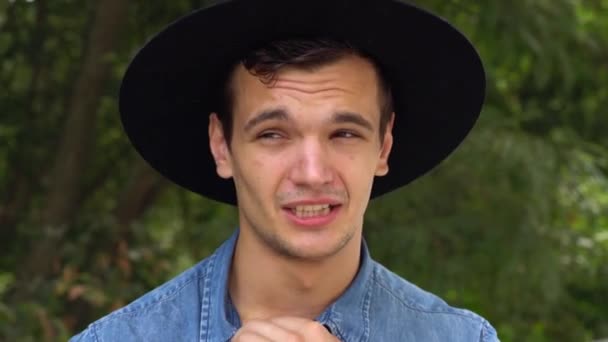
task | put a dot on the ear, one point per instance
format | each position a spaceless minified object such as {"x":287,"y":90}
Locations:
{"x":219,"y":147}
{"x":385,"y":151}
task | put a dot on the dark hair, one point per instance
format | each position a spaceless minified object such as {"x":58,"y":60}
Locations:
{"x":307,"y":54}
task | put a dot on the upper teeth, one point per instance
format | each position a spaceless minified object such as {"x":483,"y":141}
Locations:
{"x":311,"y":207}
{"x":310,"y":210}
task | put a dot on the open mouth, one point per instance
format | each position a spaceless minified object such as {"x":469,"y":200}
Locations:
{"x":303,"y":211}
{"x":311,"y":211}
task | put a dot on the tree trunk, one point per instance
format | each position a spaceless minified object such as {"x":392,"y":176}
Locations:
{"x":65,"y":180}
{"x":143,"y":187}
{"x":17,"y":194}
{"x":141,"y":191}
{"x":79,"y":130}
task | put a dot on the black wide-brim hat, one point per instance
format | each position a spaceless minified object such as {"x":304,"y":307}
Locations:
{"x":175,"y":81}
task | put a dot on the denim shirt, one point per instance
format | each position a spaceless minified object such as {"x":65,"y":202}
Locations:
{"x":377,"y":306}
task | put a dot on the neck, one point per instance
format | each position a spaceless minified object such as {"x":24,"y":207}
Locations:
{"x":264,"y":284}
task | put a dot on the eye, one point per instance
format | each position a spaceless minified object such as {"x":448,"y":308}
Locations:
{"x":345,"y":134}
{"x":269,"y":135}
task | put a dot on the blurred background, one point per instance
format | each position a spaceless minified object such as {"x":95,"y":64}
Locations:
{"x":513,"y":226}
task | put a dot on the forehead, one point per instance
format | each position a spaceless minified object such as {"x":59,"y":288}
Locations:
{"x":350,"y":83}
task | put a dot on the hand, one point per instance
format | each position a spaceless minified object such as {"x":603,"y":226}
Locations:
{"x":283,"y":329}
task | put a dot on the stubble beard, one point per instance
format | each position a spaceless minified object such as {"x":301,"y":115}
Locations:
{"x":273,"y":240}
{"x":285,"y":249}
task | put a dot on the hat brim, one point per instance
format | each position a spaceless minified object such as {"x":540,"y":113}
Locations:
{"x":172,"y":84}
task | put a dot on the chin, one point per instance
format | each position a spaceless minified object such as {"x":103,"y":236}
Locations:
{"x":313,"y":248}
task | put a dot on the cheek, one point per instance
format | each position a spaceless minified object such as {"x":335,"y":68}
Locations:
{"x":355,"y":169}
{"x":257,"y":163}
{"x":359,"y":161}
{"x":266,"y":171}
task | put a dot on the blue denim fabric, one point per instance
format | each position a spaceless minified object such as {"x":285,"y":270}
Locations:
{"x":377,"y":306}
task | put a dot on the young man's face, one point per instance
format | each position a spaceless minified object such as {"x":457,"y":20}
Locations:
{"x":304,"y":153}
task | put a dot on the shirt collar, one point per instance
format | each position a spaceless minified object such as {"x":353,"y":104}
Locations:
{"x":217,"y":313}
{"x":347,"y":317}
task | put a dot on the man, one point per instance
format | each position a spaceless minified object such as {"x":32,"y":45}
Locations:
{"x":313,"y":108}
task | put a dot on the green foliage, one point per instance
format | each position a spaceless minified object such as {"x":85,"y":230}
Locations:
{"x":514,"y":225}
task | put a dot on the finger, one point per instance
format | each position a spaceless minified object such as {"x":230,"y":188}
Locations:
{"x":310,"y":330}
{"x":267,"y":330}
{"x":249,"y":336}
{"x":291,"y":322}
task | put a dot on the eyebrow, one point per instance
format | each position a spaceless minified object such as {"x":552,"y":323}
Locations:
{"x":282,"y":114}
{"x":267,"y":115}
{"x":353,"y":118}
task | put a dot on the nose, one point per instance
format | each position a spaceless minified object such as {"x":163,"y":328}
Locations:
{"x":312,"y":165}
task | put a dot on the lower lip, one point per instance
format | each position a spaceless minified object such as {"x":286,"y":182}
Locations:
{"x":314,"y":221}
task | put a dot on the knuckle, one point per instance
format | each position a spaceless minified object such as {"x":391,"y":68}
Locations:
{"x":245,"y":336}
{"x":251,"y":325}
{"x":294,"y":338}
{"x":245,"y":333}
{"x":252,"y":322}
{"x":316,"y":328}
